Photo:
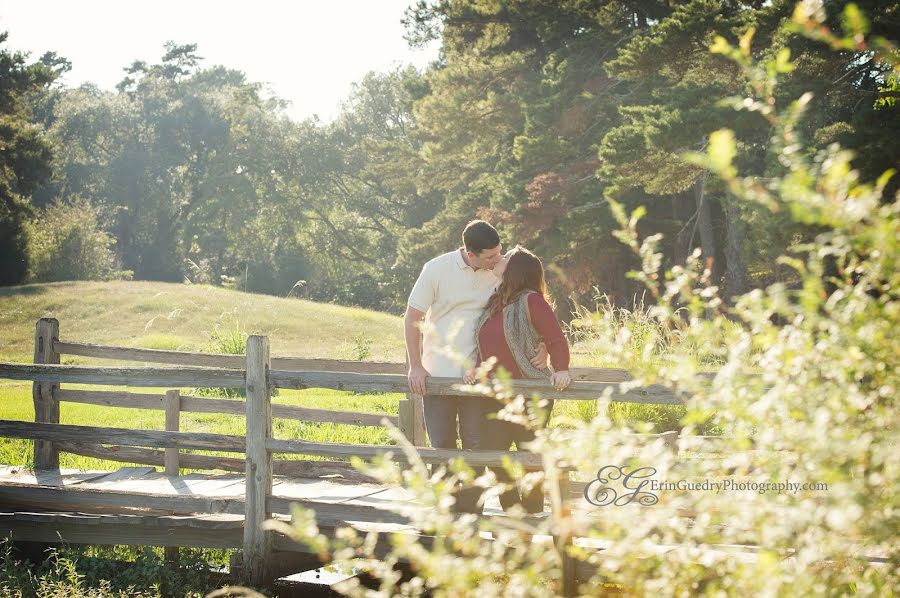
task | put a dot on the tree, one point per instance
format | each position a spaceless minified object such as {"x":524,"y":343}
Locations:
{"x":25,"y":155}
{"x":177,"y":158}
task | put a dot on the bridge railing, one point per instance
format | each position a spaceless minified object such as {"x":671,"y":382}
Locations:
{"x":258,"y":374}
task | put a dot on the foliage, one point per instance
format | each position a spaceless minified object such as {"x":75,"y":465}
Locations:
{"x":804,"y":377}
{"x":25,"y":155}
{"x":67,"y":242}
{"x":362,"y":347}
{"x":229,"y":338}
{"x":73,"y":573}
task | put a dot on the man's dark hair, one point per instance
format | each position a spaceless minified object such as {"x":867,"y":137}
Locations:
{"x":479,"y":235}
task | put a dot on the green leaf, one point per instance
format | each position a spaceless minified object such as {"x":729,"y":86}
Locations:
{"x":854,"y":21}
{"x":783,"y":61}
{"x":745,"y":40}
{"x":722,"y":149}
{"x":720,"y":45}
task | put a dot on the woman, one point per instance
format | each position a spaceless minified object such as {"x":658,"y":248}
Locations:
{"x":517,"y":319}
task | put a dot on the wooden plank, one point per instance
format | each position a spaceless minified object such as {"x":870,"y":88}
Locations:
{"x":117,"y":533}
{"x":132,"y":505}
{"x":326,"y":491}
{"x":53,"y":477}
{"x":218,"y":486}
{"x":89,"y":499}
{"x":419,"y":438}
{"x":217,"y":360}
{"x":257,"y":541}
{"x":225,"y":521}
{"x":46,"y":408}
{"x":428,"y":455}
{"x":199,"y":532}
{"x":122,"y":436}
{"x":585,"y":374}
{"x":237,"y":407}
{"x":173,"y":422}
{"x":111,"y":398}
{"x":338,"y":365}
{"x":125,"y":473}
{"x":396,"y":383}
{"x":150,"y":355}
{"x":126,"y":376}
{"x":231,"y":443}
{"x":294,"y":468}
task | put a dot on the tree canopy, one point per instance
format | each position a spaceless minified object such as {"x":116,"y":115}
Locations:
{"x":533,"y":116}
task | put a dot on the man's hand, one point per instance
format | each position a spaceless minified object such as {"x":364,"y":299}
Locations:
{"x":416,"y":378}
{"x":561,"y":380}
{"x":470,"y":377}
{"x":540,"y":360}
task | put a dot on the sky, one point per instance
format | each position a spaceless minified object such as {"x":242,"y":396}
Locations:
{"x":309,"y":52}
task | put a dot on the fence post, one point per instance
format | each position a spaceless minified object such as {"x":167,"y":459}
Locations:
{"x":173,"y":412}
{"x":173,"y":416}
{"x":46,"y":407}
{"x":559,"y":478}
{"x":411,"y":414}
{"x":257,"y":543}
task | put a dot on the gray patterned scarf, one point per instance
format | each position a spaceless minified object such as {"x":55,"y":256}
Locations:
{"x":521,"y":337}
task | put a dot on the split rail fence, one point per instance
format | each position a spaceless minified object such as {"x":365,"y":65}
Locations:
{"x":258,"y":374}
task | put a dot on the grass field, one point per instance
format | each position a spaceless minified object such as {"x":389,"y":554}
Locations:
{"x":187,"y":317}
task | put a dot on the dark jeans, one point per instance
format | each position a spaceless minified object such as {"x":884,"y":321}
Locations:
{"x":447,"y":417}
{"x":499,"y":435}
{"x":441,"y":416}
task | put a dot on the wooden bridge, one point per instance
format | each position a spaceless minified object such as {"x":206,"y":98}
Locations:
{"x":143,"y":506}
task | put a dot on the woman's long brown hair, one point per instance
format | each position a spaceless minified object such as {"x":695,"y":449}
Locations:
{"x":524,"y":272}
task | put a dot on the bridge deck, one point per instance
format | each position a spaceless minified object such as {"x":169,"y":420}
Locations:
{"x":41,"y":505}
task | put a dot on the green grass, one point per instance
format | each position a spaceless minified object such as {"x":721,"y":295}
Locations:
{"x":176,"y":316}
{"x":190,"y":318}
{"x":199,"y":318}
{"x":17,"y":404}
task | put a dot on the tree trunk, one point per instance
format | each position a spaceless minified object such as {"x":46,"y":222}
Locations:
{"x":735,"y":266}
{"x":682,"y":216}
{"x":705,"y":227}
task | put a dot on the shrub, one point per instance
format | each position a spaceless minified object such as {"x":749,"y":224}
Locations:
{"x":806,"y":376}
{"x":66,"y":242}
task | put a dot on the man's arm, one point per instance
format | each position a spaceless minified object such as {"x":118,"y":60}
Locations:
{"x":540,"y":360}
{"x":417,"y":372}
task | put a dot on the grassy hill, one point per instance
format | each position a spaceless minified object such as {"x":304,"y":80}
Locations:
{"x":187,"y":317}
{"x":160,"y":315}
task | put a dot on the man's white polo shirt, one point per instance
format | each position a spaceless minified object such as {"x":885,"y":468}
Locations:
{"x":452,"y":295}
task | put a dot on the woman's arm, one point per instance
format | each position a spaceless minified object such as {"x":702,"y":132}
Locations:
{"x":544,"y":321}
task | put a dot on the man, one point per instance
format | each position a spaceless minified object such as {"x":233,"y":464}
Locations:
{"x":450,"y":295}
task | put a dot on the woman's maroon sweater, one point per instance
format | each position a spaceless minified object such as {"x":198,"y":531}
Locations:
{"x":493,"y":340}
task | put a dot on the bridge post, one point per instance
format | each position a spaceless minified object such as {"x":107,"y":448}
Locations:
{"x":46,"y":407}
{"x":173,"y":423}
{"x":411,"y":416}
{"x":257,"y":546}
{"x":170,"y":459}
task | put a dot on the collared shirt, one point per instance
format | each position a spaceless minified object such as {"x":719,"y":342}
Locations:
{"x":452,"y":295}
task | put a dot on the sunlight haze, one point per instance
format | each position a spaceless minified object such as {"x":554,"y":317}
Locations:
{"x":309,"y":53}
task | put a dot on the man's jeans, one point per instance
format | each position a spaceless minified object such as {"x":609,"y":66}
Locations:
{"x":441,"y":415}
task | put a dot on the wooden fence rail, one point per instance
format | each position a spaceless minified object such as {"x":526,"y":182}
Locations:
{"x":258,"y":374}
{"x":281,"y":363}
{"x":190,"y":404}
{"x":236,"y":444}
{"x":380,"y":383}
